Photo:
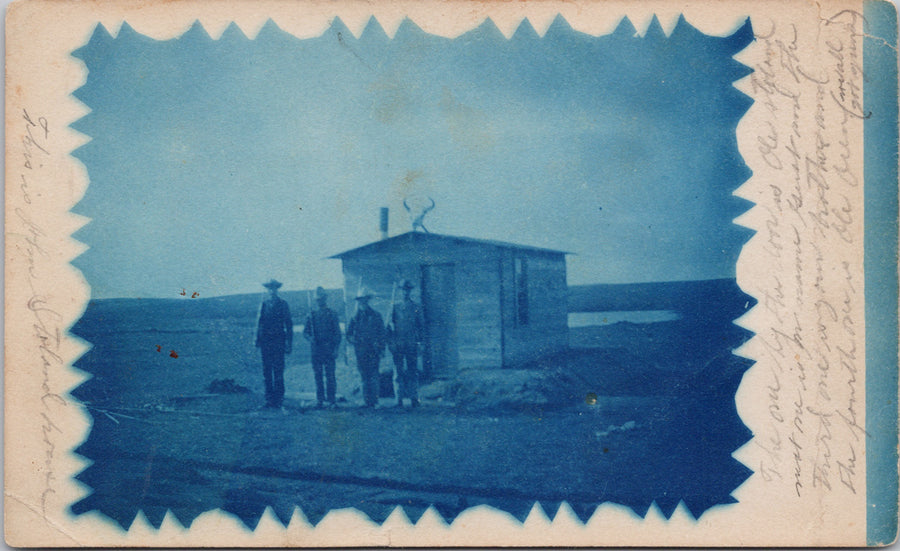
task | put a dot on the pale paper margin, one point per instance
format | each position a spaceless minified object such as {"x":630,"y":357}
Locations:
{"x":40,"y":430}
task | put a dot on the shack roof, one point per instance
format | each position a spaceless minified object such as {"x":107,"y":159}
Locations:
{"x":414,"y":238}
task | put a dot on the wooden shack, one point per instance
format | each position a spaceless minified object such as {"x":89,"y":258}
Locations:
{"x":486,"y":304}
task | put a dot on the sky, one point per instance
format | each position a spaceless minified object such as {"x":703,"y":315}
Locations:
{"x":215,"y":165}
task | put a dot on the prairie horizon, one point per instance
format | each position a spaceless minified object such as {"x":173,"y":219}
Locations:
{"x":587,"y":297}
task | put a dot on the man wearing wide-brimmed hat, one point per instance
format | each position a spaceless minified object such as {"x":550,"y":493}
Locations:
{"x":323,"y":331}
{"x":406,"y":331}
{"x":274,"y":337}
{"x":367,"y":335}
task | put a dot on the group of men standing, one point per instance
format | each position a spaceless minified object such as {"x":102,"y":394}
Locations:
{"x":403,"y":335}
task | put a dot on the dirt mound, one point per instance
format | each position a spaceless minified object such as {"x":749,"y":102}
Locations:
{"x":507,"y":389}
{"x":226,"y":386}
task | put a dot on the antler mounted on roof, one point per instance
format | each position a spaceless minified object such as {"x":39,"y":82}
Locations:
{"x":418,"y":219}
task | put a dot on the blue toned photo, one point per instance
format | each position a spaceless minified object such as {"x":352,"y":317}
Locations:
{"x":369,"y":271}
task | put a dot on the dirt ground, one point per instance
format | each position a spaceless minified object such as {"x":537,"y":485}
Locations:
{"x":224,"y":452}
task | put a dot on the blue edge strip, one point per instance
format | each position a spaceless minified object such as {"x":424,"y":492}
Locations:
{"x":880,"y":177}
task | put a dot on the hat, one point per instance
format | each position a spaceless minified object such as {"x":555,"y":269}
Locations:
{"x":272,"y":284}
{"x":407,"y":284}
{"x":321,"y":294}
{"x":364,"y":293}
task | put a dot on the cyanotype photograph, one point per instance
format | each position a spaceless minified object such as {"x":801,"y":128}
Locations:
{"x":411,"y":271}
{"x":393,"y":278}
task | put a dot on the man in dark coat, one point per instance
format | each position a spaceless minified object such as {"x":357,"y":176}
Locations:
{"x":274,"y":337}
{"x":367,"y":335}
{"x":323,"y":331}
{"x":406,"y":330}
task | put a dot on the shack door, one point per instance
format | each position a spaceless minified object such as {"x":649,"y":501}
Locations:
{"x":439,"y":304}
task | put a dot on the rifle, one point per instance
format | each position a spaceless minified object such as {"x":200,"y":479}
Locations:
{"x":356,"y":310}
{"x":346,"y":325}
{"x":390,"y":323}
{"x":312,"y":323}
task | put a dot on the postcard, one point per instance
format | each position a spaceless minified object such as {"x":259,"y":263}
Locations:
{"x":452,"y":273}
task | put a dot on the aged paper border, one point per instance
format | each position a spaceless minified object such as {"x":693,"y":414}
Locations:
{"x":44,"y":295}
